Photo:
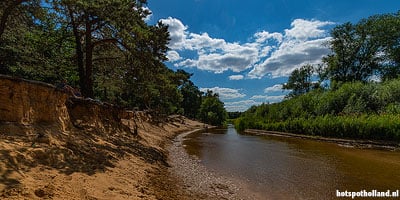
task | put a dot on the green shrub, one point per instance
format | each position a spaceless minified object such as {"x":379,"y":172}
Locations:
{"x":353,"y":110}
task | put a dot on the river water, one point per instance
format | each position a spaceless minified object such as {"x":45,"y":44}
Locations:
{"x":289,"y":168}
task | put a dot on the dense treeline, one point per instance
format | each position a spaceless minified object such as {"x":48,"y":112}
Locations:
{"x":355,"y":110}
{"x":103,"y":47}
{"x":361,"y":98}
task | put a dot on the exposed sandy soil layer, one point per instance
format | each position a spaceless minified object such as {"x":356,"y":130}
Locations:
{"x":53,"y":146}
{"x":56,"y":147}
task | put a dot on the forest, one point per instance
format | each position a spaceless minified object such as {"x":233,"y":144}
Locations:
{"x":104,"y":48}
{"x":354,"y":93}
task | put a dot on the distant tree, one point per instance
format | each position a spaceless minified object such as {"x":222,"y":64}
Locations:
{"x":355,"y":55}
{"x":212,"y":110}
{"x":191,"y":99}
{"x":383,"y":30}
{"x":369,"y":48}
{"x":300,"y":81}
{"x":158,"y":92}
{"x":234,"y":115}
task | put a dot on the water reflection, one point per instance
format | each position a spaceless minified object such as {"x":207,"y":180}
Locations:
{"x":295,"y":168}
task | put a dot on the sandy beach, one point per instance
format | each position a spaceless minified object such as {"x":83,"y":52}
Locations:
{"x":88,"y":165}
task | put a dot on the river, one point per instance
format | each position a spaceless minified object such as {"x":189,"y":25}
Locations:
{"x":290,"y":168}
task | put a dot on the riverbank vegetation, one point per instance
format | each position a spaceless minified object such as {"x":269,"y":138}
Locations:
{"x":104,"y":48}
{"x":355,"y":93}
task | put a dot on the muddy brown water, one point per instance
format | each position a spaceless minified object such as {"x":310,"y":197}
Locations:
{"x":289,"y":168}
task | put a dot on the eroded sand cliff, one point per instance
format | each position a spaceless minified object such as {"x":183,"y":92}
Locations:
{"x":56,"y":147}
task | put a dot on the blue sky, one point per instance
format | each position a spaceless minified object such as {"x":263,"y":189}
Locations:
{"x":245,"y":50}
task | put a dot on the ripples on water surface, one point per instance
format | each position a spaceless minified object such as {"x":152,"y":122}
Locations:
{"x":289,"y":168}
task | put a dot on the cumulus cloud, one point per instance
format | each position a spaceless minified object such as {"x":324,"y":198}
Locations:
{"x":240,"y":106}
{"x":274,"y":54}
{"x":173,"y":56}
{"x":218,"y":62}
{"x":213,"y":54}
{"x":305,"y":43}
{"x":305,"y":29}
{"x":268,"y":98}
{"x":203,"y":41}
{"x":290,"y":56}
{"x":225,"y":93}
{"x":264,"y":36}
{"x":177,"y":33}
{"x":244,"y":105}
{"x":217,"y":55}
{"x":274,"y":88}
{"x":236,"y":77}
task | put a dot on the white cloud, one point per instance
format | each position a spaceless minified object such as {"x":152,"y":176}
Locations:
{"x":236,"y":77}
{"x":292,"y":55}
{"x":177,"y":33}
{"x":305,"y":43}
{"x":274,"y":88}
{"x":203,"y":41}
{"x":173,"y":56}
{"x":213,"y":54}
{"x":275,"y":54}
{"x":240,"y":106}
{"x":268,"y":98}
{"x":225,"y":93}
{"x":305,"y":29}
{"x":219,"y":63}
{"x":265,"y":35}
{"x":244,"y":105}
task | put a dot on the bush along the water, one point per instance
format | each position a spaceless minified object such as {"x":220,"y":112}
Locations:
{"x":377,"y":127}
{"x":354,"y":110}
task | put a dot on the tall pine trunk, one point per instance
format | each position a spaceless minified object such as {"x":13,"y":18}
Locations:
{"x":79,"y":55}
{"x":89,"y":59}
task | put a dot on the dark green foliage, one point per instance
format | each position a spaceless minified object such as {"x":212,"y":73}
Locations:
{"x":300,"y":81}
{"x":354,"y":110}
{"x":110,"y":26}
{"x":33,"y":46}
{"x":384,"y":32}
{"x":103,"y":47}
{"x":379,"y":127}
{"x":355,"y":56}
{"x":192,"y":98}
{"x":234,"y":115}
{"x":212,"y":110}
{"x":370,"y":47}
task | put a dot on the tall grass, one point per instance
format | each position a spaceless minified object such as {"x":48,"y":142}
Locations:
{"x":355,"y":110}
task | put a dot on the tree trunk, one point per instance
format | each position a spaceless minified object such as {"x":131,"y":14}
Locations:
{"x":79,"y":54}
{"x":89,"y":59}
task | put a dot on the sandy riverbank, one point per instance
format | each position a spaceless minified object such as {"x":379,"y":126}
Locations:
{"x":84,"y":164}
{"x":87,"y":164}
